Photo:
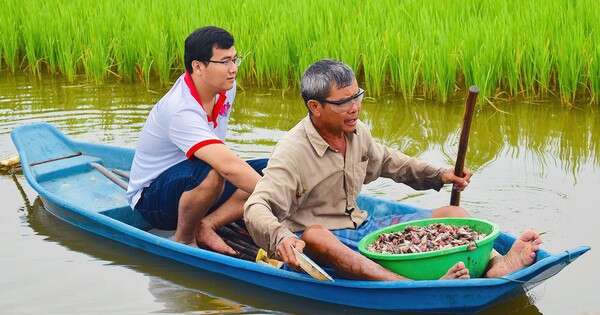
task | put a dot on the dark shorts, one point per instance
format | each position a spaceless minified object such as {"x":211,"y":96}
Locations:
{"x":160,"y":201}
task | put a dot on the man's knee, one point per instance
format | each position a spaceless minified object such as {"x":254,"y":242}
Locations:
{"x":212,"y":185}
{"x":314,"y":233}
{"x":450,"y":211}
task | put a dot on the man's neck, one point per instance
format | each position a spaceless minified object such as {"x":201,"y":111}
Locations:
{"x":333,"y":138}
{"x":207,"y":95}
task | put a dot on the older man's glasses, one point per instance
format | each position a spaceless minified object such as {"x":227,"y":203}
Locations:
{"x":348,"y":102}
{"x":229,"y":62}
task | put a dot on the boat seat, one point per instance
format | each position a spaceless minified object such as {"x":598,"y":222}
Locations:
{"x":64,"y":167}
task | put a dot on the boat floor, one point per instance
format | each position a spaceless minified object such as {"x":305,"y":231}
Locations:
{"x":162,"y":233}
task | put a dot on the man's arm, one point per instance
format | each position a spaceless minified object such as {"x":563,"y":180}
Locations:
{"x":229,"y":165}
{"x":196,"y":138}
{"x":418,"y":174}
{"x":404,"y":169}
{"x":384,"y":162}
{"x":272,"y":202}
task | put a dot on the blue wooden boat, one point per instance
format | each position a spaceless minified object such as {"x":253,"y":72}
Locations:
{"x":60,"y":170}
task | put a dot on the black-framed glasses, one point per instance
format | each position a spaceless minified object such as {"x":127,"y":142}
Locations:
{"x":356,"y":98}
{"x":229,"y":62}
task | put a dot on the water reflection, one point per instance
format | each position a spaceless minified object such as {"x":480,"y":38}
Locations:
{"x":537,"y":166}
{"x":177,"y":288}
{"x":115,"y":112}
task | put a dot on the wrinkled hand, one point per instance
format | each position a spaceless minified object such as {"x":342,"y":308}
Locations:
{"x":460,"y":184}
{"x":286,"y":253}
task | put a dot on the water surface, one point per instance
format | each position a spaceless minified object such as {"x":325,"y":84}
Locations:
{"x":537,"y":164}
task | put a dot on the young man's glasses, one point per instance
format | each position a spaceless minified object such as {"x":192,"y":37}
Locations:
{"x":229,"y":62}
{"x":347,"y":102}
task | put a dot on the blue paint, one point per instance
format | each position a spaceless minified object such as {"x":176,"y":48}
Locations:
{"x":76,"y":193}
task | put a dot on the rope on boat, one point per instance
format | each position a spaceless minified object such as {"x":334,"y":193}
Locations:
{"x":10,"y":164}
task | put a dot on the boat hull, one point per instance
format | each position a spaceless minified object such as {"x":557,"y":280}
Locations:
{"x":105,"y":213}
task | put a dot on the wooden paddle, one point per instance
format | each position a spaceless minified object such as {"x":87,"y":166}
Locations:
{"x":464,"y":140}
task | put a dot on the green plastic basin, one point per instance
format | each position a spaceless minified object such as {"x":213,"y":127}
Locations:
{"x":433,"y":265}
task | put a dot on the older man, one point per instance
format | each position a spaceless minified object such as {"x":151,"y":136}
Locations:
{"x":317,"y":170}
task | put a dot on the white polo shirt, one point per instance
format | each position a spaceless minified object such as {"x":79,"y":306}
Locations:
{"x":177,"y":126}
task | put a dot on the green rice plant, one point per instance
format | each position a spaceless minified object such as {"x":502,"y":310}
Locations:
{"x":433,"y":49}
{"x":31,"y":38}
{"x":594,"y":73}
{"x":405,"y":66}
{"x":9,"y":34}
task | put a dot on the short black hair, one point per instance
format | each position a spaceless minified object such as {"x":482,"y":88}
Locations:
{"x":199,"y":44}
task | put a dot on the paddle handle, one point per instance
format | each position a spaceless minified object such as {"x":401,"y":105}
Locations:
{"x":464,"y":141}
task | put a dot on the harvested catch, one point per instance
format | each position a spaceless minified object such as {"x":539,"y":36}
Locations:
{"x":428,"y":238}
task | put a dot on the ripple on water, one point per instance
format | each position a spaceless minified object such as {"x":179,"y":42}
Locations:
{"x":551,"y":145}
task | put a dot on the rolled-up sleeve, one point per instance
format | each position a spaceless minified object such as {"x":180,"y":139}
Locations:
{"x":384,"y":162}
{"x":190,"y":132}
{"x":271,"y":202}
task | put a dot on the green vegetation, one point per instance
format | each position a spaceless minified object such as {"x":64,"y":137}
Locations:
{"x":428,"y":49}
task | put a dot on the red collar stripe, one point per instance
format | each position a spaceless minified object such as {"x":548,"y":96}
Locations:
{"x":218,"y":106}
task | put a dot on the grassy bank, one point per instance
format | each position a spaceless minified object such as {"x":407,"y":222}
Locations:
{"x":427,"y":49}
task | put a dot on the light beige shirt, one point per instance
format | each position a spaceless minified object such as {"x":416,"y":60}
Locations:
{"x":307,"y":182}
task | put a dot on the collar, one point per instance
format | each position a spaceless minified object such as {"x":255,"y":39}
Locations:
{"x":315,"y":139}
{"x":218,"y":105}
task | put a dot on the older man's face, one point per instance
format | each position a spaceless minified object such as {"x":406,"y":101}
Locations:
{"x":342,"y":107}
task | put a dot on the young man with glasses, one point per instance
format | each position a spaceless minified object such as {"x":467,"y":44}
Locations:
{"x":184,"y":177}
{"x":316,"y":172}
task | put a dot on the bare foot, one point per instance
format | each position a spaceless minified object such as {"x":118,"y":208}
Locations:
{"x":207,"y":238}
{"x":521,"y":254}
{"x":458,"y":271}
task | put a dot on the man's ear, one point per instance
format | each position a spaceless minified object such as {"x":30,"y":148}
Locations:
{"x":198,"y":67}
{"x":314,"y":107}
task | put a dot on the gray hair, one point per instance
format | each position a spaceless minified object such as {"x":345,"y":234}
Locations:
{"x":321,"y":76}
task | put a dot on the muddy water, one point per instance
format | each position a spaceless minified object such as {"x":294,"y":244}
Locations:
{"x":536,"y":165}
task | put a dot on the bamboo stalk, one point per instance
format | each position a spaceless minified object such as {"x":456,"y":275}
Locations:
{"x":241,"y":234}
{"x":228,"y":234}
{"x":243,"y":252}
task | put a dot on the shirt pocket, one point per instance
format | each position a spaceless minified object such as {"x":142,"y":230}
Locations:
{"x":360,"y":172}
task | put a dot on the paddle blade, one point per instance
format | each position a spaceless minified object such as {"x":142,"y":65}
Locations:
{"x":311,"y":267}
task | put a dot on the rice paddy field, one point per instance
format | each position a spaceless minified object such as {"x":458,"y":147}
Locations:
{"x":95,"y":69}
{"x":414,"y":49}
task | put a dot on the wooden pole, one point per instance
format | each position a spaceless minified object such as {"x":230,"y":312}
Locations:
{"x":464,"y":141}
{"x":109,"y":175}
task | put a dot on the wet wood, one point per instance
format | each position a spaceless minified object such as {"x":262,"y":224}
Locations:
{"x":464,"y":141}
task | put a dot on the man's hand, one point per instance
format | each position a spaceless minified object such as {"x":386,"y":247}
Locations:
{"x":285,"y":252}
{"x":460,"y":184}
